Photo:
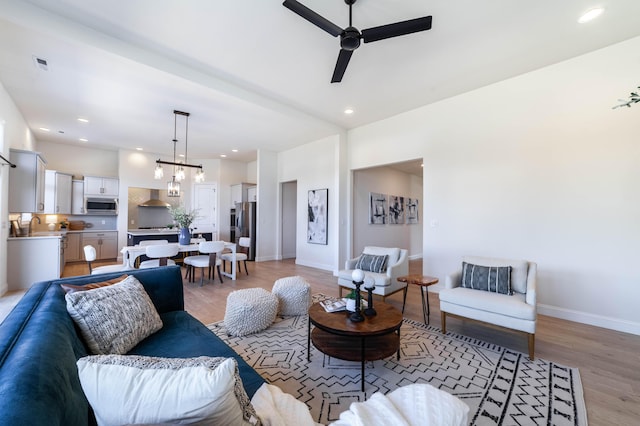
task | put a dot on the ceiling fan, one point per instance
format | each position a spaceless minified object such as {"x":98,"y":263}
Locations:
{"x":350,"y":36}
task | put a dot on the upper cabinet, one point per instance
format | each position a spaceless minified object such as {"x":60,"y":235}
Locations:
{"x":26,"y":182}
{"x":57,"y":194}
{"x":77,"y":197}
{"x":240,"y":193}
{"x":95,"y":186}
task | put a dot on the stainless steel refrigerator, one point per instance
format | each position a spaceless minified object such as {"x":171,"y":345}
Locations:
{"x":246,"y":225}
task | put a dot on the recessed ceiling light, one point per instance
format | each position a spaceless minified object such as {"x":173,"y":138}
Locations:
{"x":84,"y":140}
{"x":591,"y":15}
{"x":234,"y":150}
{"x":348,"y":111}
{"x":223,"y":155}
{"x":44,"y":129}
{"x":139,"y":149}
{"x":83,"y":120}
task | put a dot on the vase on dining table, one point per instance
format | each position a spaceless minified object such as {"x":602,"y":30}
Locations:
{"x":184,"y":237}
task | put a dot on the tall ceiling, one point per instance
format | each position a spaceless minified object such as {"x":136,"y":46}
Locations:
{"x":254,"y":75}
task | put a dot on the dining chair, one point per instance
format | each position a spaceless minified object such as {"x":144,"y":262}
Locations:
{"x":152,"y":242}
{"x":159,"y":255}
{"x":90,"y":256}
{"x":241,"y":255}
{"x":209,"y":258}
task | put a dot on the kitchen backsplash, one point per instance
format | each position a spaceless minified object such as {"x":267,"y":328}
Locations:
{"x":93,"y":223}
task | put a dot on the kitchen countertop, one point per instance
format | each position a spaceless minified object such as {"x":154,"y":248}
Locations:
{"x":58,"y":234}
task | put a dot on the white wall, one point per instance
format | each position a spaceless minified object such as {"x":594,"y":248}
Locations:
{"x":537,"y":167}
{"x":14,"y":133}
{"x":314,"y":166}
{"x":388,"y":181}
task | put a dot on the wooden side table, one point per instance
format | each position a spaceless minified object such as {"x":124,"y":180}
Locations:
{"x":424,"y":282}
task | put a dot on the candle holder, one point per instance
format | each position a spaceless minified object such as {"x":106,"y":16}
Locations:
{"x":370,"y":312}
{"x":357,"y":315}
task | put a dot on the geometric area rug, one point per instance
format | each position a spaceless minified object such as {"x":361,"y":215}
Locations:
{"x":500,"y":386}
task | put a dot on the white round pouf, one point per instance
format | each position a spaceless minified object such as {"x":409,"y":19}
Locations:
{"x":249,"y":311}
{"x":294,"y":295}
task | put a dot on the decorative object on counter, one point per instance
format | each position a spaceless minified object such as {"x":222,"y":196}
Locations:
{"x":369,"y":285}
{"x":173,"y":186}
{"x":52,"y":221}
{"x":358,"y":279}
{"x":64,"y":223}
{"x":184,"y":219}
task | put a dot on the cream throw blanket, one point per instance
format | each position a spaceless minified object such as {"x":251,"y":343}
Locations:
{"x":412,"y":405}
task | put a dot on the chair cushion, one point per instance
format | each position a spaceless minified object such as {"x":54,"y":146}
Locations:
{"x":372,"y":262}
{"x":154,"y":263}
{"x":393,"y":253}
{"x":495,"y":279}
{"x":113,"y":319}
{"x":519,"y":269}
{"x":200,"y":261}
{"x":229,"y":257}
{"x":512,"y":306}
{"x":380,"y":279}
{"x":134,"y":389}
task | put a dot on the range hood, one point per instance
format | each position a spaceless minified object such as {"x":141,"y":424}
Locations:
{"x":154,"y":200}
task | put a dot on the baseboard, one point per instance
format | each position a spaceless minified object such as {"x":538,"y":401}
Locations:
{"x":591,"y":319}
{"x":415,"y":256}
{"x":315,"y":265}
{"x":265,"y":258}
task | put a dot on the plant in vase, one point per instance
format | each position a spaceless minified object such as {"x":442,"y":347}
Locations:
{"x":351,"y":301}
{"x":183,"y":219}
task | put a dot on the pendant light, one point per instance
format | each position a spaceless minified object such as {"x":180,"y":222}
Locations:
{"x":173,"y":186}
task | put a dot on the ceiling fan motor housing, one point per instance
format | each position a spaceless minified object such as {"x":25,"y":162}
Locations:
{"x":350,"y":39}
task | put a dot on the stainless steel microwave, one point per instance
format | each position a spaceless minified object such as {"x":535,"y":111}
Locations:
{"x":97,"y":205}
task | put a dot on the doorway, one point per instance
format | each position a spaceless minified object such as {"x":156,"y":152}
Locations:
{"x":289,"y":219}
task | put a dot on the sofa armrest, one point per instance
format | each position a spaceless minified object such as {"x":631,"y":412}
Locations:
{"x":532,"y":277}
{"x":401,"y":267}
{"x":351,"y":263}
{"x":453,"y":280}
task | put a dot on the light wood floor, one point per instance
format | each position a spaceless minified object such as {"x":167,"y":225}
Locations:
{"x":609,"y":361}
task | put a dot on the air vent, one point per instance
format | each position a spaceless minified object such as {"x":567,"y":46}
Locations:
{"x":41,"y":63}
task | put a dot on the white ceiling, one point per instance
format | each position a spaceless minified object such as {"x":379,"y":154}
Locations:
{"x":254,"y":75}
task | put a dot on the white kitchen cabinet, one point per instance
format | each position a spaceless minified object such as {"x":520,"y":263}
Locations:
{"x":239,"y":193}
{"x":57,"y":192}
{"x":100,"y":186}
{"x":73,"y":251}
{"x":77,"y":197}
{"x":105,"y":243}
{"x":26,"y":182}
{"x":252,"y":194}
{"x":32,"y":259}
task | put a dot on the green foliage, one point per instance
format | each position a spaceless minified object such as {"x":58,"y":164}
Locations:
{"x":181,"y":216}
{"x":634,"y":98}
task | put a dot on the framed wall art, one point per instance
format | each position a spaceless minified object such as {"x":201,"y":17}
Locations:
{"x":396,"y":210}
{"x":412,"y":210}
{"x":318,"y":210}
{"x":377,"y":208}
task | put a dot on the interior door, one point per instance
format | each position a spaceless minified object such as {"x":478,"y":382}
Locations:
{"x":205,"y":199}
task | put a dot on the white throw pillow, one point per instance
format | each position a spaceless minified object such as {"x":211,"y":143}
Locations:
{"x":131,"y":389}
{"x":113,"y":319}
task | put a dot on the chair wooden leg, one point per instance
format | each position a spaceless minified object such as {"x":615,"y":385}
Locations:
{"x":246,"y":271}
{"x":443,"y":322}
{"x":404,"y":299}
{"x":219,"y":274}
{"x":340,"y":291}
{"x":532,"y":345}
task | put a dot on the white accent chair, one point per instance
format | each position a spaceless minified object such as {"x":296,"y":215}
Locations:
{"x":517,"y":312}
{"x":159,"y":255}
{"x":241,"y":255}
{"x":386,"y":282}
{"x":90,"y":256}
{"x":210,"y":258}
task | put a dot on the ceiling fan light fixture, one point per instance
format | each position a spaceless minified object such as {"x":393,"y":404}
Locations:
{"x":590,"y":15}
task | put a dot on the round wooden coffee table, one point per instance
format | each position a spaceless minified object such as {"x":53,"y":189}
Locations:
{"x":334,"y":334}
{"x":424,"y":282}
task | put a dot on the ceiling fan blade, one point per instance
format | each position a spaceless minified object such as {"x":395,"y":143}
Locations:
{"x":341,"y":65}
{"x":397,"y":29}
{"x":313,"y":17}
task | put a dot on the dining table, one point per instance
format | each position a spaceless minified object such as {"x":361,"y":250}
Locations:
{"x":131,"y":253}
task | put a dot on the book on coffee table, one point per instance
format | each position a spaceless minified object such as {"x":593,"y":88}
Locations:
{"x":334,"y":305}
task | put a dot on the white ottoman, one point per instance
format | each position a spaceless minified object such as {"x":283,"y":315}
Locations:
{"x":294,"y":295}
{"x":249,"y":311}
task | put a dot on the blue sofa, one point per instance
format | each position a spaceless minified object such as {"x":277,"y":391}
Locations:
{"x":39,"y":346}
